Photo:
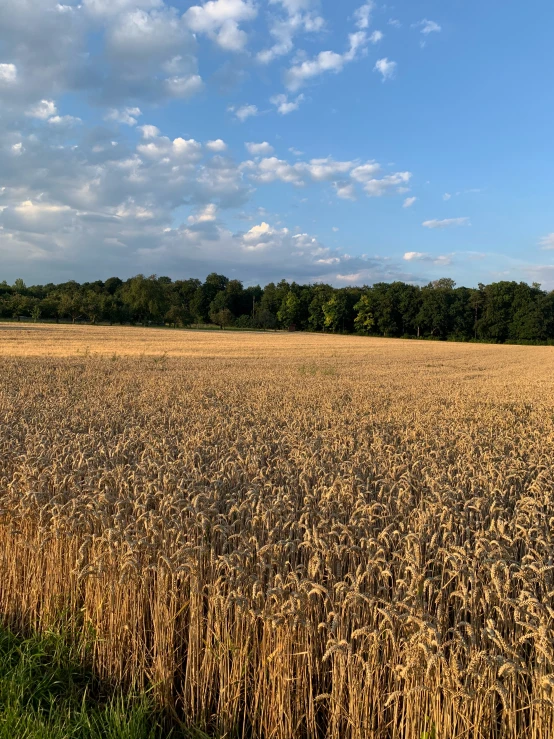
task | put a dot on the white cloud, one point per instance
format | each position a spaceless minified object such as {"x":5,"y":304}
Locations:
{"x":109,"y":8}
{"x":377,"y":187}
{"x":36,"y":217}
{"x":547,"y":242}
{"x":8,"y":73}
{"x":294,"y":6}
{"x":446,"y":223}
{"x":272,"y":169}
{"x":365,"y":172}
{"x":219,"y":20}
{"x":418,"y":256}
{"x":299,"y":17}
{"x":409,"y":202}
{"x":187,"y":148}
{"x":428,"y":27}
{"x":284,"y":105}
{"x":216,"y":145}
{"x":42,"y":110}
{"x":208,"y":214}
{"x":127,"y":116}
{"x":149,"y":132}
{"x":64,"y":120}
{"x":184,"y":86}
{"x":335,"y":229}
{"x":262,"y":149}
{"x":326,"y":169}
{"x":352,"y":278}
{"x":386,"y":68}
{"x":376,"y":36}
{"x":326,"y":61}
{"x":244,"y":112}
{"x":446,"y":196}
{"x":138,"y":35}
{"x":260,"y":236}
{"x":162,"y":148}
{"x":362,"y":15}
{"x":345,"y":191}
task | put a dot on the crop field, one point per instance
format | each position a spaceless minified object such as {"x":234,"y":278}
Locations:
{"x":288,"y":535}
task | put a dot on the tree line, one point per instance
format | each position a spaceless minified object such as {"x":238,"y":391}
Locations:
{"x":500,"y":312}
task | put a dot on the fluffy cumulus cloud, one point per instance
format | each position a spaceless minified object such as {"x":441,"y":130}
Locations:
{"x":363,"y":15}
{"x":386,"y":68}
{"x":44,"y":109}
{"x":8,"y":73}
{"x":285,"y":106}
{"x":261,"y":149}
{"x":243,"y":112}
{"x":325,"y":62}
{"x":298,"y":16}
{"x":408,"y":202}
{"x":426,"y":27}
{"x":345,"y":176}
{"x":128,"y":116}
{"x":67,"y":211}
{"x":148,"y":52}
{"x":217,"y":145}
{"x":110,"y":8}
{"x":446,"y":223}
{"x":220,"y":19}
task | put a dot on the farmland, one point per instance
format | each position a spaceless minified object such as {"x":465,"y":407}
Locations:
{"x":287,"y":535}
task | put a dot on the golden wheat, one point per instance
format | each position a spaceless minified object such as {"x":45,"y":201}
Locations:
{"x":288,"y":535}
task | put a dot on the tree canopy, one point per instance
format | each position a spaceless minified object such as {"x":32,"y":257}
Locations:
{"x":500,"y":312}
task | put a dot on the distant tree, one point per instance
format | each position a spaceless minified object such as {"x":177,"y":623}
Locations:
{"x":434,"y":314}
{"x":70,"y":305}
{"x":91,"y":305}
{"x":320,"y":294}
{"x":288,"y":312}
{"x":264,"y":318}
{"x":205,"y":294}
{"x":222,"y":317}
{"x":179,"y":315}
{"x":365,"y":314}
{"x":334,"y":311}
{"x":339,"y":310}
{"x":146,"y":297}
{"x":112,"y":285}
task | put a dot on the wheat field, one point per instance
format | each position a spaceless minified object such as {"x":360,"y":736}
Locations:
{"x":288,"y":535}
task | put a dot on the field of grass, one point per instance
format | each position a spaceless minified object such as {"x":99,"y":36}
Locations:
{"x":287,"y":535}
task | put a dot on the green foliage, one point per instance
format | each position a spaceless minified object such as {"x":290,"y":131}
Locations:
{"x":502,"y":312}
{"x":288,"y":313}
{"x":430,"y":732}
{"x":45,"y":693}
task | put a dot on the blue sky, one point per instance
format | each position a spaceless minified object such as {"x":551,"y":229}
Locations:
{"x":319,"y":141}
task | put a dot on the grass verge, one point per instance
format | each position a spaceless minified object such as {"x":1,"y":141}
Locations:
{"x":45,"y":693}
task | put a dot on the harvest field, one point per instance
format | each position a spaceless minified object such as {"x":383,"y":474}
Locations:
{"x":288,"y":535}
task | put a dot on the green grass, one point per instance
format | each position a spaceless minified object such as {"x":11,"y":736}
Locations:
{"x":45,"y":693}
